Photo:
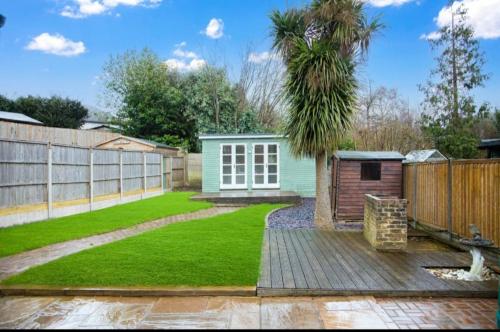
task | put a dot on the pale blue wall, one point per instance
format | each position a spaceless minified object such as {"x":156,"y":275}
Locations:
{"x":297,"y":175}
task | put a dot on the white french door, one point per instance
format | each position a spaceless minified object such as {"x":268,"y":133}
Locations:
{"x":266,"y":165}
{"x":233,"y":166}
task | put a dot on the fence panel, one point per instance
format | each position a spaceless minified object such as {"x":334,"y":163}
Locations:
{"x":106,"y":172}
{"x":23,"y":173}
{"x":475,"y":196}
{"x":70,"y":173}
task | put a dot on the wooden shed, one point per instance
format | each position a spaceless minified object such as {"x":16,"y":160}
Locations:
{"x":356,"y":173}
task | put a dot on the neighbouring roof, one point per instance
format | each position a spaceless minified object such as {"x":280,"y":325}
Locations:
{"x":424,"y":155}
{"x":18,"y":117}
{"x":140,"y":140}
{"x":90,"y":125}
{"x":369,"y":155}
{"x":487,"y":143}
{"x":238,"y":136}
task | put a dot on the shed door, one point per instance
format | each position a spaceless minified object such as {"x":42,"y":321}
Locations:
{"x":233,"y":166}
{"x":266,"y":165}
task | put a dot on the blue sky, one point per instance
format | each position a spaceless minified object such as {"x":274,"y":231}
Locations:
{"x":59,"y":46}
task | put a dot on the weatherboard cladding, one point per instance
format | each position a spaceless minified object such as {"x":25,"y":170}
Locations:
{"x":297,"y":175}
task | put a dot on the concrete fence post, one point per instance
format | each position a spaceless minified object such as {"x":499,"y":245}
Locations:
{"x":144,"y":157}
{"x":91,"y":180}
{"x":171,"y":174}
{"x":49,"y":180}
{"x":121,"y":175}
{"x":161,"y":173}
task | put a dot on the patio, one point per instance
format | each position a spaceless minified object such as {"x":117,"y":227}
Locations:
{"x":312,"y":262}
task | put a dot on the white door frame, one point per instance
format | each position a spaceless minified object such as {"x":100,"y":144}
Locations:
{"x":233,"y":184}
{"x":266,"y":185}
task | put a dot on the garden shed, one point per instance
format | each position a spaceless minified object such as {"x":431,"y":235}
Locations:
{"x":356,"y":173}
{"x":253,"y":166}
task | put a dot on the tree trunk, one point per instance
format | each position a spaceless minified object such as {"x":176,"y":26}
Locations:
{"x":323,"y":214}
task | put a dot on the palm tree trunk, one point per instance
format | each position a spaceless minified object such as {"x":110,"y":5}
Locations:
{"x":323,"y":214}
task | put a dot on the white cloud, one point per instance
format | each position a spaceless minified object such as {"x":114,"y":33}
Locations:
{"x":55,"y":44}
{"x":180,"y":52}
{"x":85,"y":8}
{"x":190,"y":62}
{"x":214,"y":29}
{"x":483,"y":15}
{"x":385,"y":3}
{"x":181,"y":65}
{"x":262,"y":57}
{"x":430,"y":36}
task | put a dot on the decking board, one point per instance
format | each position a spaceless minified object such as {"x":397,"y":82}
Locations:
{"x":312,"y":262}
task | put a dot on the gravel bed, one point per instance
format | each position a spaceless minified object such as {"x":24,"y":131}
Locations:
{"x":295,"y":217}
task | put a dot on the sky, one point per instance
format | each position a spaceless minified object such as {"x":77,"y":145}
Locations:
{"x":59,"y":47}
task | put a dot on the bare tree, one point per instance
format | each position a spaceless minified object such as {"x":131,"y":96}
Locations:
{"x":386,"y":122}
{"x":260,"y":87}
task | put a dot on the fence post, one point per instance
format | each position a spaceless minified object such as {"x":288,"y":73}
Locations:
{"x":145,"y":171}
{"x":91,"y":181}
{"x":161,"y":173}
{"x":185,"y":173}
{"x":49,"y":180}
{"x":171,"y":174}
{"x":121,"y":175}
{"x":450,"y":196}
{"x":415,"y":192}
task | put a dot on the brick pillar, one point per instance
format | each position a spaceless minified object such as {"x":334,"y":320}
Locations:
{"x":385,"y":222}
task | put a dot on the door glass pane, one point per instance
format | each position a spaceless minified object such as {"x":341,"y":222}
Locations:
{"x":259,"y":159}
{"x":240,"y":149}
{"x":272,"y":159}
{"x":226,"y":149}
{"x":240,"y":159}
{"x":259,"y":179}
{"x":259,"y":148}
{"x":272,"y":179}
{"x":240,"y":169}
{"x":273,"y":169}
{"x":272,"y":148}
{"x":240,"y":179}
{"x":226,"y":179}
{"x":226,"y":160}
{"x":226,"y":170}
{"x":259,"y":169}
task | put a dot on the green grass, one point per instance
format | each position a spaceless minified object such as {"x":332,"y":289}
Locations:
{"x":218,"y":251}
{"x":21,"y":238}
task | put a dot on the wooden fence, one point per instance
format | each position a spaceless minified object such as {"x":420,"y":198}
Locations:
{"x":452,"y":195}
{"x":36,"y":176}
{"x":64,"y":136}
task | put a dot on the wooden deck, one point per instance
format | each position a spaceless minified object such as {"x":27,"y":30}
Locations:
{"x":312,"y":262}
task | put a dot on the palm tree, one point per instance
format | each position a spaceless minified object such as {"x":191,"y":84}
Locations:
{"x":320,"y":46}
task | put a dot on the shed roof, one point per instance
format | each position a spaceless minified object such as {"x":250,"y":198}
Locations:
{"x":424,"y":155}
{"x":486,"y":143}
{"x":140,"y":140}
{"x":239,"y":136}
{"x":18,"y":117}
{"x":369,"y":155}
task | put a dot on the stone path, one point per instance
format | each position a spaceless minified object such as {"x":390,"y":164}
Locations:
{"x":15,"y":264}
{"x":245,"y":312}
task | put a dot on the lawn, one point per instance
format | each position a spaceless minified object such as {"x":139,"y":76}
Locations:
{"x":21,"y":238}
{"x":218,"y":251}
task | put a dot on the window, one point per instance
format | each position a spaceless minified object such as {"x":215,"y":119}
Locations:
{"x":370,"y":171}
